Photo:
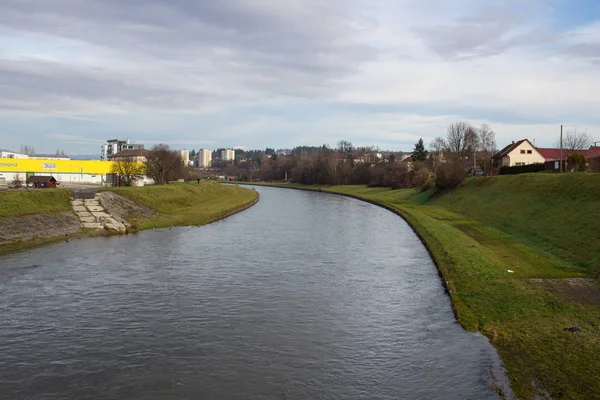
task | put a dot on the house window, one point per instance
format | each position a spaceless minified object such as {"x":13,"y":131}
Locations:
{"x":522,"y":151}
{"x":519,"y":164}
{"x":529,"y":152}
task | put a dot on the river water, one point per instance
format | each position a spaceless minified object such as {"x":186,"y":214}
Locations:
{"x":303,"y":296}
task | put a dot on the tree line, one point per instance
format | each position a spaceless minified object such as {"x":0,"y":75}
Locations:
{"x":464,"y":148}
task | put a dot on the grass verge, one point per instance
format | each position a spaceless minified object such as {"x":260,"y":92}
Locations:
{"x":536,"y":226}
{"x":189,"y":204}
{"x":15,"y":203}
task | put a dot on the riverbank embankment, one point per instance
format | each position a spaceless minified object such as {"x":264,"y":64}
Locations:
{"x":34,"y":217}
{"x":520,"y":257}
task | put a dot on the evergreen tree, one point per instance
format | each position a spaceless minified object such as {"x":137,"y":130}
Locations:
{"x":419,"y":153}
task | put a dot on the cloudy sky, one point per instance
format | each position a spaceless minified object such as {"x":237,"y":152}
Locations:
{"x":280,"y":73}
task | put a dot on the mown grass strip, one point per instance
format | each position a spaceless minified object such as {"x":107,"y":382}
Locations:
{"x":189,"y":203}
{"x":15,"y":203}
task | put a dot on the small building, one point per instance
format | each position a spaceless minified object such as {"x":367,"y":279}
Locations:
{"x":42,"y":181}
{"x":137,"y":155}
{"x":517,"y":154}
{"x":11,"y":154}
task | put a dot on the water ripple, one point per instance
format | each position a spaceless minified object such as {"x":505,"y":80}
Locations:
{"x":304,"y":296}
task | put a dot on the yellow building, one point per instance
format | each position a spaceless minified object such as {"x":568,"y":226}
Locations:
{"x":64,"y":171}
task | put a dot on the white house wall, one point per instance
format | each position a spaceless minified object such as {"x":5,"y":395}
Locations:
{"x":515,"y":157}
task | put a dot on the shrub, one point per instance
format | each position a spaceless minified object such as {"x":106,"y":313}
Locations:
{"x":521,"y":169}
{"x":450,"y":175}
{"x":577,"y":162}
{"x":419,"y":177}
{"x":17,"y":182}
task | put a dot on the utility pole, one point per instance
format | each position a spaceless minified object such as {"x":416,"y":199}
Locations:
{"x":595,"y":155}
{"x":561,"y":148}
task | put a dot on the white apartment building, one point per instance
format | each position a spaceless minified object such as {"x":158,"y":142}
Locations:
{"x":113,"y":146}
{"x":228,"y":155}
{"x":185,"y":156}
{"x":204,"y":158}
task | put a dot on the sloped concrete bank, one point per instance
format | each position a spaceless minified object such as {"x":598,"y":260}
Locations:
{"x":87,"y":218}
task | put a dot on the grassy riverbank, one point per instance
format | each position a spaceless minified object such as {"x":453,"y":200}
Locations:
{"x":30,"y":218}
{"x":37,"y":217}
{"x":189,"y":203}
{"x":542,"y":228}
{"x":16,"y":203}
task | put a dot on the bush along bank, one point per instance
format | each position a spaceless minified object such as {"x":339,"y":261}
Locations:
{"x":519,"y":269}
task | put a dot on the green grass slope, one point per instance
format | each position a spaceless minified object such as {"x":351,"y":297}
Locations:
{"x":189,"y":204}
{"x":556,"y":214}
{"x":15,"y":203}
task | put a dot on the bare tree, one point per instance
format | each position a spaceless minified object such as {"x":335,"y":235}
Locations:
{"x":438,"y":145}
{"x":345,"y":146}
{"x":231,"y":170}
{"x":28,"y":150}
{"x":163,"y":164}
{"x":487,"y":148}
{"x":250,"y":167}
{"x":487,"y":139}
{"x":461,"y":140}
{"x":17,"y":182}
{"x":128,"y":171}
{"x":575,"y":141}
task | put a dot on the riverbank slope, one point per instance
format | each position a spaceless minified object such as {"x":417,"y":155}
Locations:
{"x":519,"y":256}
{"x":35,"y":217}
{"x":188,"y":203}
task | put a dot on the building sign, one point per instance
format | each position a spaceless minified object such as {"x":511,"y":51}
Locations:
{"x":48,"y":166}
{"x":6,"y":164}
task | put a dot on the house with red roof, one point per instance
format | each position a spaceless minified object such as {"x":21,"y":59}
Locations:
{"x":524,"y":152}
{"x":518,"y":153}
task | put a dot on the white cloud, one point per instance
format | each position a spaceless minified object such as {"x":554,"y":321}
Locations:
{"x":217,"y":73}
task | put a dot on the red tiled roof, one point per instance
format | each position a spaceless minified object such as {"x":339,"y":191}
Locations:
{"x":550,"y":154}
{"x":40,"y":179}
{"x":132,"y":153}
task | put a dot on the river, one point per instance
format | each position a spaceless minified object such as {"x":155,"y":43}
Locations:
{"x":303,"y":296}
